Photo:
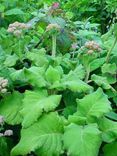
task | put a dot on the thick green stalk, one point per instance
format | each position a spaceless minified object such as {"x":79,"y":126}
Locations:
{"x":109,"y":52}
{"x":53,"y":45}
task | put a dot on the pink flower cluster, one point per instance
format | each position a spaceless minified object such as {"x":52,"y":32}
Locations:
{"x":3,"y":85}
{"x":16,"y":28}
{"x":91,"y":46}
{"x":53,"y":27}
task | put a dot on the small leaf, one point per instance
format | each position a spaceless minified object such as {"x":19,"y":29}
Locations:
{"x":15,"y":11}
{"x":52,"y":75}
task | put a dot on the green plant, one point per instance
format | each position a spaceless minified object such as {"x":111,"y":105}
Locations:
{"x":61,"y":94}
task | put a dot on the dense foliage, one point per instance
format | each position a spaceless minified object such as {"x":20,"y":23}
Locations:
{"x":58,"y":78}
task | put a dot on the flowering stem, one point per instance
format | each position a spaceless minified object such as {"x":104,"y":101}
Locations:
{"x":109,"y":52}
{"x":53,"y":45}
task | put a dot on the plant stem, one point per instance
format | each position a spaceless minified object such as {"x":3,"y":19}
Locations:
{"x":87,"y":74}
{"x":53,"y":45}
{"x":109,"y":52}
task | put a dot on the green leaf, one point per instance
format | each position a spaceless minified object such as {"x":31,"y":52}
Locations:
{"x":112,"y":116}
{"x":76,"y":86}
{"x":15,"y":11}
{"x":77,"y":119}
{"x":109,"y":71}
{"x":11,"y":60}
{"x":35,"y":103}
{"x":95,"y":64}
{"x":10,"y":107}
{"x":101,"y":81}
{"x":82,"y":141}
{"x":109,"y":68}
{"x":18,"y":76}
{"x":44,"y":137}
{"x":72,"y":81}
{"x":93,"y":106}
{"x":78,"y":73}
{"x":68,"y":110}
{"x":109,"y":129}
{"x":52,"y":75}
{"x":35,"y":76}
{"x":110,"y":149}
{"x":38,"y":57}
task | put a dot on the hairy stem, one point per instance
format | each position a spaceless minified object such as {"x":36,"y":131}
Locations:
{"x":54,"y":45}
{"x":109,"y":52}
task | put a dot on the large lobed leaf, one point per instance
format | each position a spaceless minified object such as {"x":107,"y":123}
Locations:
{"x":91,"y":107}
{"x":44,"y":137}
{"x":35,"y":103}
{"x":73,"y":82}
{"x":82,"y":141}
